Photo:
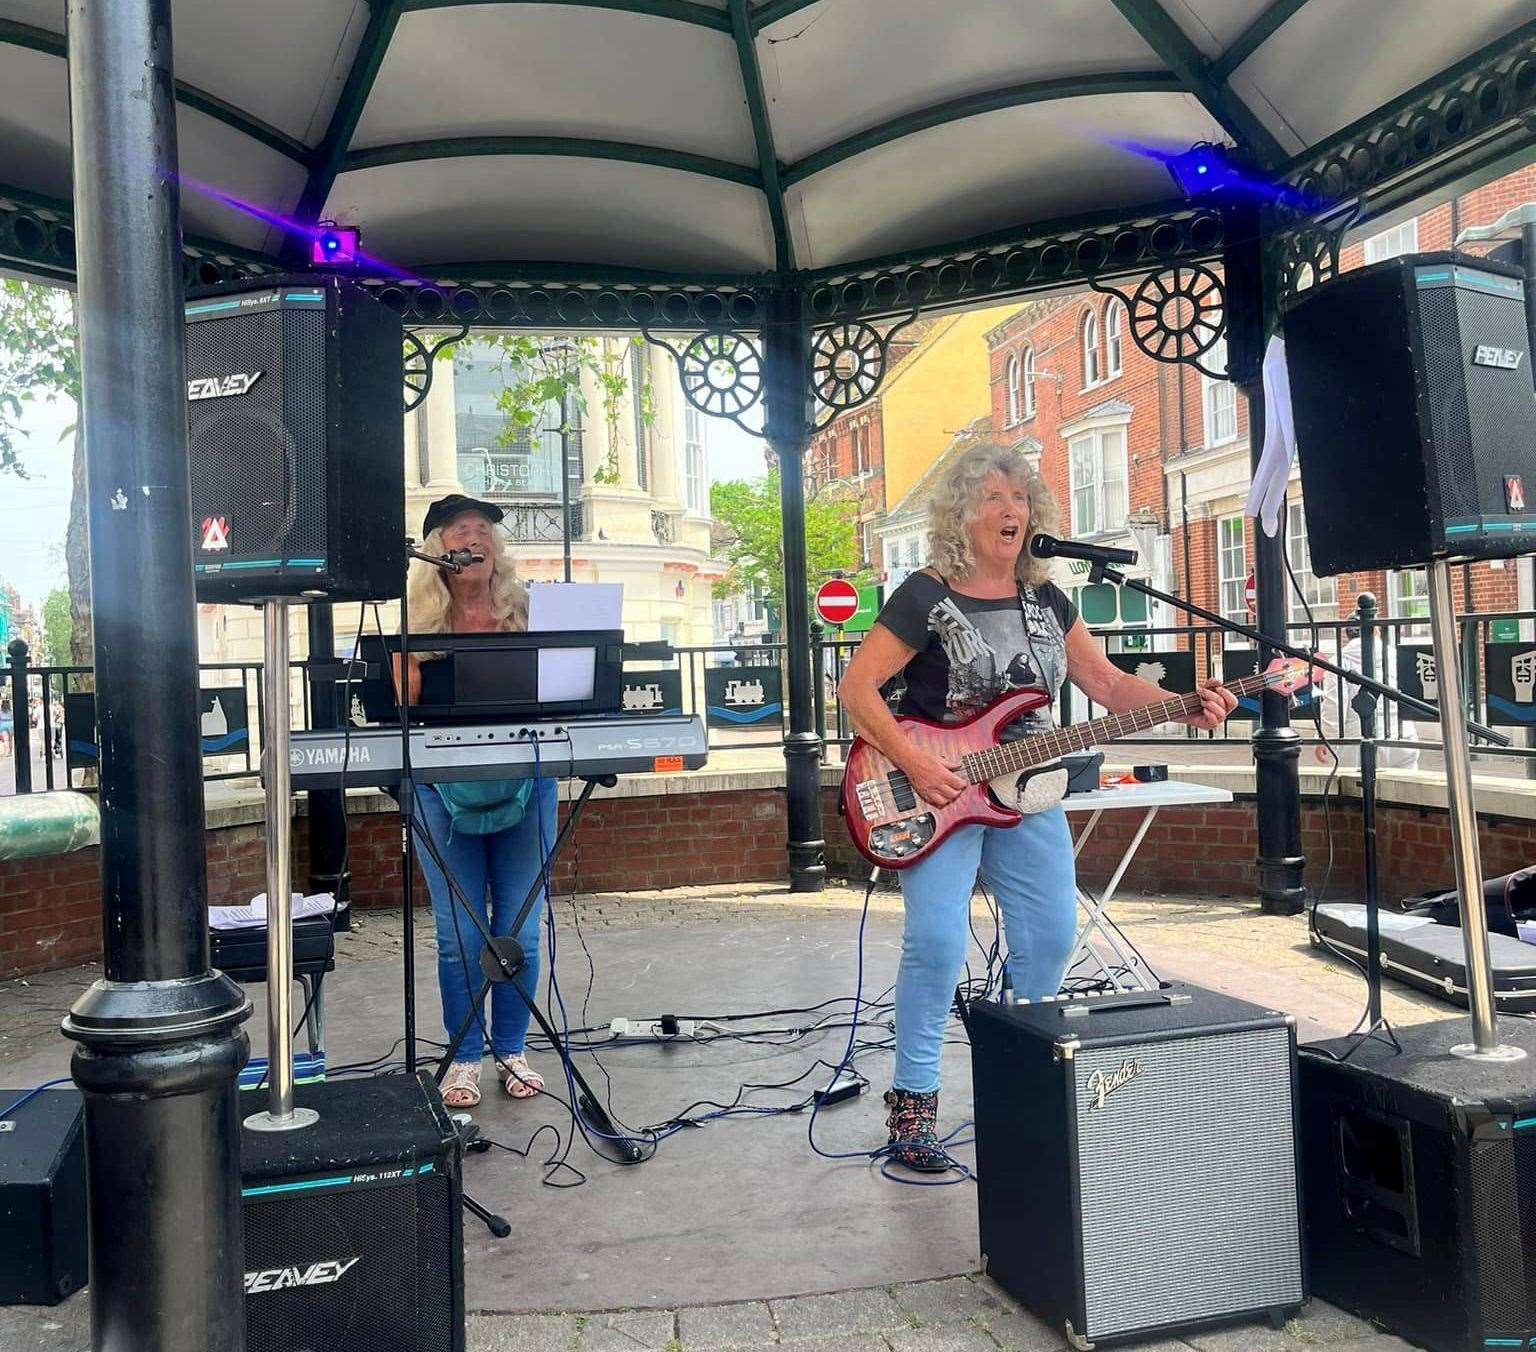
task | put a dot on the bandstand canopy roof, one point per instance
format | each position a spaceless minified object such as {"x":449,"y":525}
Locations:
{"x":727,"y":138}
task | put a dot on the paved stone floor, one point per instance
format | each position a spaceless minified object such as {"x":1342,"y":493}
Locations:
{"x":736,"y":1236}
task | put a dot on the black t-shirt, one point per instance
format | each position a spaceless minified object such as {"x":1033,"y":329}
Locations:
{"x":970,"y":651}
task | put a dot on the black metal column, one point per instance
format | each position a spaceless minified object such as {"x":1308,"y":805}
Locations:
{"x":327,"y":825}
{"x":788,"y":426}
{"x":160,"y":1036}
{"x":1276,"y":744}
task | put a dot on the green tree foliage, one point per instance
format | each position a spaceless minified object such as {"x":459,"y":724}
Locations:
{"x":37,"y":358}
{"x":56,"y":628}
{"x":755,"y":551}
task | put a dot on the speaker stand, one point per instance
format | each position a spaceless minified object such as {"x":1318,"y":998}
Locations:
{"x":1485,"y":1045}
{"x":280,"y":1115}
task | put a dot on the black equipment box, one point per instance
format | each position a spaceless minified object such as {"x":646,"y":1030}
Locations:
{"x":353,"y":1226}
{"x":1420,"y":1174}
{"x":1137,"y":1161}
{"x":242,"y":953}
{"x":1415,"y":421}
{"x":44,"y":1235}
{"x":296,"y":440}
{"x":1430,"y":956}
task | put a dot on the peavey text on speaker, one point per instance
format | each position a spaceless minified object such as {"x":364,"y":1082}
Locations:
{"x":296,"y":436}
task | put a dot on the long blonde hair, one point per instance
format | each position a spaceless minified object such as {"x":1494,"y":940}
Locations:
{"x":957,"y":496}
{"x":430,"y":600}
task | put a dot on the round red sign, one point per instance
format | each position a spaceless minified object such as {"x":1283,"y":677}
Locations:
{"x":836,"y":602}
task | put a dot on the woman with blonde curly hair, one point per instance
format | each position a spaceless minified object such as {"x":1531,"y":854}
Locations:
{"x":981,"y":620}
{"x":487,"y":834}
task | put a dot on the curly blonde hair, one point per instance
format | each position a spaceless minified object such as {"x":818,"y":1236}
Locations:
{"x":954,"y":503}
{"x":431,"y":601}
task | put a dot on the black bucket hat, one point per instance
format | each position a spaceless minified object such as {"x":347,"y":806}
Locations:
{"x":441,"y":512}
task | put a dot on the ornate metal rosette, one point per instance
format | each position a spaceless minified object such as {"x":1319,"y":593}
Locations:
{"x":420,"y":361}
{"x":1307,"y":259}
{"x":1178,"y":314}
{"x":722,"y":373}
{"x":847,"y":365}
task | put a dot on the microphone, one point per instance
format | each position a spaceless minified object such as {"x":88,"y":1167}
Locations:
{"x":1049,"y":547}
{"x":462,"y":558}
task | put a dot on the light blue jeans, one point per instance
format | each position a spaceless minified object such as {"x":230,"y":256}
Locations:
{"x":1030,"y":870}
{"x":505,"y":865}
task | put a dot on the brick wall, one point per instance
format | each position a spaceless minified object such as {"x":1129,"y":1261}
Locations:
{"x":50,"y":911}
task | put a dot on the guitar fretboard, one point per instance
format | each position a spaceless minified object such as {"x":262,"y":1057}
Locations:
{"x":1045,"y":747}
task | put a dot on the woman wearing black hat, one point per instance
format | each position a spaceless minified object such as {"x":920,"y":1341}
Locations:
{"x":491,"y":836}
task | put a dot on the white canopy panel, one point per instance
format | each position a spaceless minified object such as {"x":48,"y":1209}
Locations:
{"x":728,"y":136}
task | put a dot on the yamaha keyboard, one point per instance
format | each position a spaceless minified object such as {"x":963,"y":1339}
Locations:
{"x":571,"y":748}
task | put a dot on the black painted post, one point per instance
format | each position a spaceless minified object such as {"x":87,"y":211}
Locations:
{"x":327,"y":825}
{"x":1364,"y":702}
{"x":787,"y":425}
{"x":21,"y":724}
{"x":1276,"y":744}
{"x":819,"y":678}
{"x":160,"y":1037}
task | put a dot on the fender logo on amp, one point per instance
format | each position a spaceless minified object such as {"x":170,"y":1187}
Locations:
{"x":222,"y":387}
{"x":1101,"y":1083}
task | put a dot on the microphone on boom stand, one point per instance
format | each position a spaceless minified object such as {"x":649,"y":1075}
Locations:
{"x":1049,"y":547}
{"x":460,"y":558}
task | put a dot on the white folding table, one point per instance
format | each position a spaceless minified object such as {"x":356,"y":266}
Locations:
{"x":1124,"y":968}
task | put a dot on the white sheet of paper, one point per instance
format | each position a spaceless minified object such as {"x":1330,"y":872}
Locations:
{"x":561,"y":607}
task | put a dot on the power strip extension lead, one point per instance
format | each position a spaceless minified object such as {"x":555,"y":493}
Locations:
{"x":839,"y":1091}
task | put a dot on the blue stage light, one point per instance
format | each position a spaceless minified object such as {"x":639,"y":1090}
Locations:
{"x":334,"y":245}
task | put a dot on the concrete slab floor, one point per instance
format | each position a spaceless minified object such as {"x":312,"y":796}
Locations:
{"x":736,"y":1234}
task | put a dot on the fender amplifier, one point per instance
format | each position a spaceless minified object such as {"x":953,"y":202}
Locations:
{"x":1137,"y":1160}
{"x":1420,"y":1174}
{"x":353,"y":1228}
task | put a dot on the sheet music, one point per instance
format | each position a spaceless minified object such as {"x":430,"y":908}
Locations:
{"x":563,"y":607}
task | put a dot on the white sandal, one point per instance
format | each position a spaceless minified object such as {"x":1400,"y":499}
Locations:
{"x":518,"y":1078}
{"x":462,"y":1087}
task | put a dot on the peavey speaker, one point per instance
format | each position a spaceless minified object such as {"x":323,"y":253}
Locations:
{"x":1136,"y":1160}
{"x":353,"y":1228}
{"x":1420,"y":1176}
{"x":44,"y":1244}
{"x":296,"y":438}
{"x":1415,"y":418}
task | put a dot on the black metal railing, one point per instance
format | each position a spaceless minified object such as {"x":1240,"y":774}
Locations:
{"x":739,"y":690}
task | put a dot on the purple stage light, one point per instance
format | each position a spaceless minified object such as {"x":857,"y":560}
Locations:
{"x":1206,"y":169}
{"x":335,"y":246}
{"x":316,"y":235}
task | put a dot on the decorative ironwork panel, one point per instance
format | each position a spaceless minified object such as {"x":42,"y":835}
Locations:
{"x":1038,"y":262}
{"x":1488,"y":99}
{"x":721,"y":373}
{"x":1177,"y":314}
{"x":421,"y":361}
{"x":1304,"y":259}
{"x":549,"y":306}
{"x":540,"y":522}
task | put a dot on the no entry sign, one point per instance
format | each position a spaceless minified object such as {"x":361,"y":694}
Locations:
{"x":836,"y":602}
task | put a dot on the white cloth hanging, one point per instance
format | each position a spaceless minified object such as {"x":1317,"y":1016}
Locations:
{"x":1273,"y":471}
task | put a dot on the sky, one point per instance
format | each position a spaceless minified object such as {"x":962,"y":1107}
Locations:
{"x":34,"y":512}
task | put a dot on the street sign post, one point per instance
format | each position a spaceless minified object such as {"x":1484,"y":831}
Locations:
{"x":836,"y":602}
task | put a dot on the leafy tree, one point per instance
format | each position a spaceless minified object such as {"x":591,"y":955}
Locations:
{"x":37,"y":358}
{"x":56,"y":628}
{"x":755,"y":550}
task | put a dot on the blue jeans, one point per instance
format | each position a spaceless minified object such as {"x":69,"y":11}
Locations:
{"x":1031,"y":872}
{"x":505,"y":864}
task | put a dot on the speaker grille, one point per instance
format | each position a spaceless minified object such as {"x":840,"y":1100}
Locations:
{"x":1502,"y":1215}
{"x":260,"y":456}
{"x":1187,"y":1180}
{"x":1445,"y":370}
{"x":399,"y":1292}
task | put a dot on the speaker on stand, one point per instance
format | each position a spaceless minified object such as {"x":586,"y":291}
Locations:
{"x":352,"y":1189}
{"x":1416,"y":430}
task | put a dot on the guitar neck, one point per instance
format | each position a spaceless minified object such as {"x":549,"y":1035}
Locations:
{"x":1046,"y":747}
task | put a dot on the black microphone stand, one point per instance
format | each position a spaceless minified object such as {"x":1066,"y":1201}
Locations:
{"x":1368,"y":690}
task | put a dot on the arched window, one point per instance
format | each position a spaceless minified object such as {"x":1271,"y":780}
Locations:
{"x":1093,"y":362}
{"x":1013,"y":391}
{"x":1114,"y":345}
{"x":1029,"y":382}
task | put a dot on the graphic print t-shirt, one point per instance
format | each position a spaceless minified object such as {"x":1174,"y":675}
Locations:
{"x":970,"y":651}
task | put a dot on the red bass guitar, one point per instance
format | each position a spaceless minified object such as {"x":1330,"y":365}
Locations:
{"x":893,"y":828}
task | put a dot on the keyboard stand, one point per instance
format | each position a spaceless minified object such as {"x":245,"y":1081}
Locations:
{"x":502,"y":959}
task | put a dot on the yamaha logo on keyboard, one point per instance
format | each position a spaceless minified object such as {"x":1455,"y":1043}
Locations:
{"x":328,"y":757}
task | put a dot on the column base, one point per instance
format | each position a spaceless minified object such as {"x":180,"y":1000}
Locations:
{"x":807,"y":846}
